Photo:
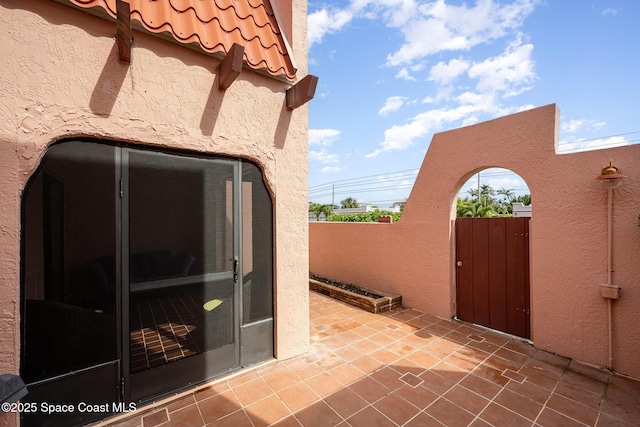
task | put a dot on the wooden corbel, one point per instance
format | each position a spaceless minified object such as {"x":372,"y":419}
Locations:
{"x":123,"y":30}
{"x":302,"y":92}
{"x":230,"y":67}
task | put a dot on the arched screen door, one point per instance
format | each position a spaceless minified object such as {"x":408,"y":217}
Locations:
{"x":143,"y":273}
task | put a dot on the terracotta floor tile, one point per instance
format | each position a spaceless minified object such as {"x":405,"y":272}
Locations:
{"x":218,"y":406}
{"x":623,"y":400}
{"x":345,"y":402}
{"x":180,"y":403}
{"x":513,"y":356}
{"x":349,"y":353}
{"x":580,"y":395}
{"x":369,"y":389}
{"x":418,"y":396}
{"x":280,"y":379}
{"x":290,"y":421}
{"x":411,"y":379}
{"x":308,"y":370}
{"x":478,"y":422}
{"x":519,"y":404}
{"x":236,"y":419}
{"x":461,"y":361}
{"x":505,"y":380}
{"x":347,"y":374}
{"x":449,"y":414}
{"x":252,"y":391}
{"x":589,"y":371}
{"x":324,"y":384}
{"x":156,"y":418}
{"x":189,"y":416}
{"x":384,"y":356}
{"x":480,"y":386}
{"x":396,"y":408}
{"x":552,"y":359}
{"x":572,"y":409}
{"x":485,"y":346}
{"x":585,"y":383}
{"x":367,"y":364}
{"x":424,"y":420}
{"x":369,"y":417}
{"x":550,"y":418}
{"x":388,"y":377}
{"x":531,"y":391}
{"x":423,"y":359}
{"x":490,"y":374}
{"x":466,"y":399}
{"x":318,"y":415}
{"x":605,"y":420}
{"x":298,"y":396}
{"x":267,"y":411}
{"x":498,"y":415}
{"x":502,"y":364}
{"x":521,"y":347}
{"x":400,"y":348}
{"x":437,"y":383}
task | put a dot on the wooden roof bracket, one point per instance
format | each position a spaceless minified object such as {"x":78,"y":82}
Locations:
{"x":230,"y":67}
{"x":302,"y":92}
{"x":123,"y":31}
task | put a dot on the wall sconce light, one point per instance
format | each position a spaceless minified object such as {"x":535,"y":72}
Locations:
{"x":611,"y":176}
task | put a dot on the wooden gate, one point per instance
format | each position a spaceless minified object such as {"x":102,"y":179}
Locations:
{"x":492,"y":273}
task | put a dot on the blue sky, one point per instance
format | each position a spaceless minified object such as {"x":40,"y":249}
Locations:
{"x":394,"y":72}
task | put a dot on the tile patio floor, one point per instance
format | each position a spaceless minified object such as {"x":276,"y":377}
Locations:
{"x":404,"y":368}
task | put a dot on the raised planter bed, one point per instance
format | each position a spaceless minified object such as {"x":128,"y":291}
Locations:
{"x":368,"y":299}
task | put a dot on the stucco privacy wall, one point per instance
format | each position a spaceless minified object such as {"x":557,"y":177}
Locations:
{"x":415,"y":256}
{"x":61,"y":78}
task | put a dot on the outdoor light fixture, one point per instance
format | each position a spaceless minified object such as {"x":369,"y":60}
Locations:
{"x":611,"y":176}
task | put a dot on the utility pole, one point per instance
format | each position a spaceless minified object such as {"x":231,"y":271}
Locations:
{"x":333,"y":190}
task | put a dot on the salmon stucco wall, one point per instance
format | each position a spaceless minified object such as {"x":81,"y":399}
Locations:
{"x":568,"y":261}
{"x":61,"y":79}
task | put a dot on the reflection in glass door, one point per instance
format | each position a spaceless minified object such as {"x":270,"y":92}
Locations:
{"x":182,"y":270}
{"x":142,"y":273}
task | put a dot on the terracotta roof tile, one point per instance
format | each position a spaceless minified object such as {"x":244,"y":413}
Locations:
{"x":215,"y":25}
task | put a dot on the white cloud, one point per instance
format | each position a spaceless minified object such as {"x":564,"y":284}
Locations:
{"x":576,"y":125}
{"x":326,"y":21}
{"x":324,"y":137}
{"x":393,"y":103}
{"x":510,"y":73}
{"x":404,"y":74}
{"x":323,"y":156}
{"x":331,"y":169}
{"x":401,"y":137}
{"x":446,"y":73}
{"x":437,"y":26}
{"x":609,"y":11}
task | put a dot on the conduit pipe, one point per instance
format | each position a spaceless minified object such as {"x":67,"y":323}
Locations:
{"x":610,"y":178}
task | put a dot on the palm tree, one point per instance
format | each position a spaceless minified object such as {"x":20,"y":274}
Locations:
{"x":317,"y":209}
{"x":508,"y":193}
{"x":349,"y":202}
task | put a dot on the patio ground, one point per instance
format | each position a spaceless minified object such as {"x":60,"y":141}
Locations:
{"x":403,"y":368}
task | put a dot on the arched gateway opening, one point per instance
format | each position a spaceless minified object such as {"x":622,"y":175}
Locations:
{"x":492,"y":229}
{"x":143,"y":272}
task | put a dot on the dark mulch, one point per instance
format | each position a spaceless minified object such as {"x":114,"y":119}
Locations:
{"x":346,"y":286}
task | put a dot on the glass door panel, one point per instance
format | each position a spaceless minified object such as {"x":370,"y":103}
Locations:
{"x":69,"y":311}
{"x":181,"y":259}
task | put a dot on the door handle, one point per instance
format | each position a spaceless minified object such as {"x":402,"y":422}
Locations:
{"x":459,"y":263}
{"x":235,"y":269}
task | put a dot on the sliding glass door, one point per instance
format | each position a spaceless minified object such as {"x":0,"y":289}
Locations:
{"x":183,"y":252}
{"x":143,"y":273}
